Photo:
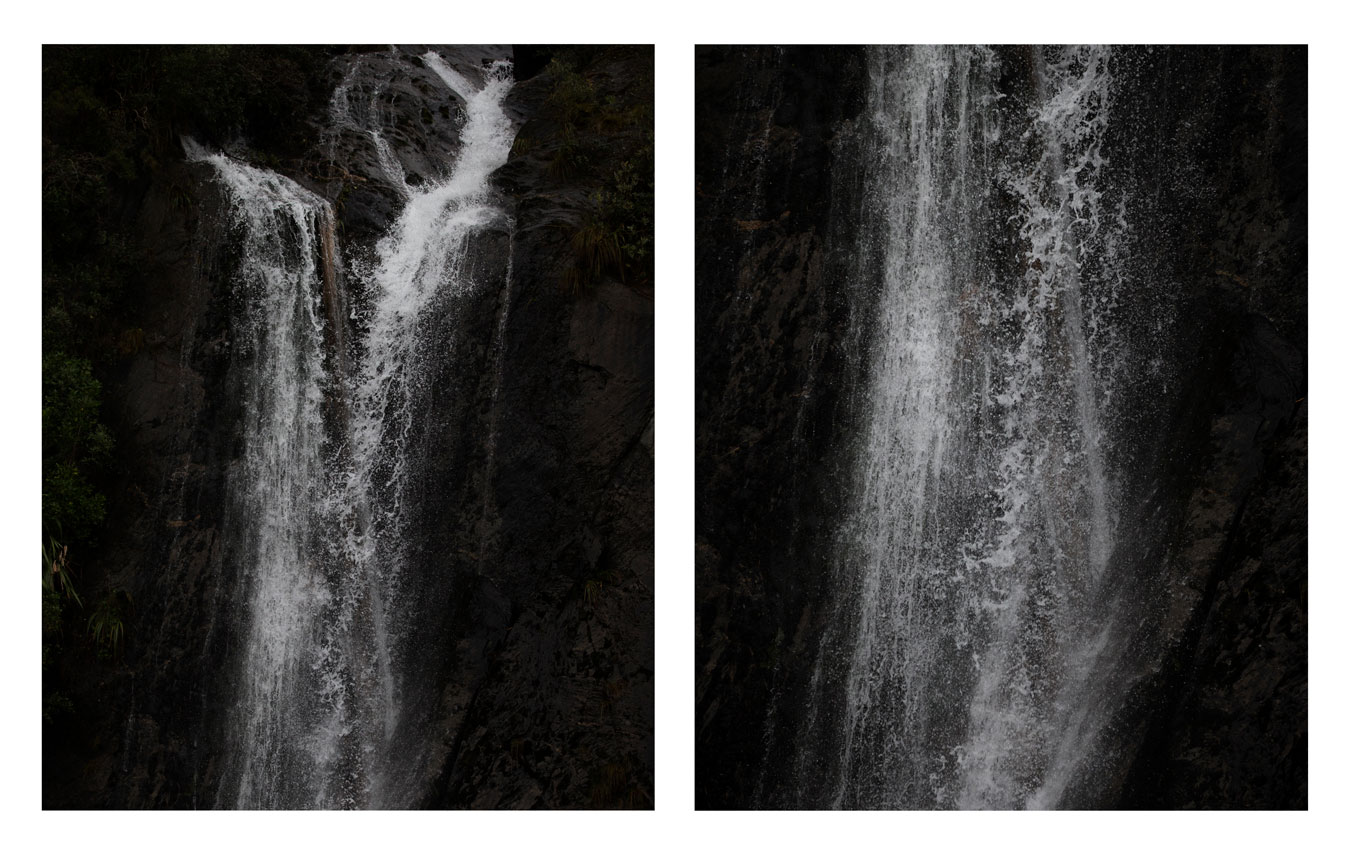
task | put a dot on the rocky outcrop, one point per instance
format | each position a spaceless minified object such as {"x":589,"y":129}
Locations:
{"x":555,"y":706}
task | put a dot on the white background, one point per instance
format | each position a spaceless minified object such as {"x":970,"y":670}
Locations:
{"x":674,"y":28}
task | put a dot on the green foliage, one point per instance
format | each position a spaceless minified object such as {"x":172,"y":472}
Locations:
{"x":627,"y":203}
{"x":204,"y":85}
{"x":70,"y":405}
{"x":111,"y":100}
{"x":606,"y":138}
{"x":57,"y":590}
{"x":590,"y":592}
{"x":616,"y":238}
{"x":107,"y":623}
{"x":596,"y":250}
{"x":593,"y":588}
{"x":72,"y":437}
{"x":592,"y":130}
{"x":570,"y":158}
{"x":55,"y":706}
{"x":56,"y":582}
{"x":70,"y":502}
{"x":572,"y":97}
{"x":52,"y":619}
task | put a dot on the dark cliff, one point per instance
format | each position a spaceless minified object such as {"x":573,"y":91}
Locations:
{"x":534,"y":562}
{"x":1228,"y":725}
{"x":770,"y":345}
{"x":1216,"y":141}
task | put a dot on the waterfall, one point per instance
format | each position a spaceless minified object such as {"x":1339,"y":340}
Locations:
{"x":335,"y":358}
{"x":967,"y":662}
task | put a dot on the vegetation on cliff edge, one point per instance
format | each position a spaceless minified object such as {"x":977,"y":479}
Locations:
{"x":111,"y":116}
{"x":599,"y":104}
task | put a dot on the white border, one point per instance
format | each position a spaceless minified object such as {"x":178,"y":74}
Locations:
{"x":674,"y":28}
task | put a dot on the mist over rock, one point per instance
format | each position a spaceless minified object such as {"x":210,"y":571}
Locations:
{"x":1001,"y":427}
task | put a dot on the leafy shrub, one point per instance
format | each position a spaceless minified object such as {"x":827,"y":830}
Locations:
{"x":616,"y":238}
{"x":596,"y":251}
{"x":56,"y":706}
{"x":70,"y":405}
{"x":590,"y":593}
{"x":70,"y":502}
{"x":627,"y":203}
{"x":572,"y":98}
{"x":107,"y":623}
{"x":56,"y":579}
{"x":607,"y":140}
{"x":72,"y":436}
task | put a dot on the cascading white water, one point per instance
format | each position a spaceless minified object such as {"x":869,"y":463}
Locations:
{"x":422,"y":256}
{"x":291,"y":711}
{"x":320,"y":505}
{"x":366,"y":118}
{"x":422,"y":265}
{"x":965,"y":665}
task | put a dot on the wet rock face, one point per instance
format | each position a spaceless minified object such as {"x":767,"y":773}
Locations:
{"x":144,"y":732}
{"x":549,"y":691}
{"x":533,"y":569}
{"x":1217,"y":142}
{"x":770,"y":350}
{"x":1230,"y":728}
{"x":421,"y":117}
{"x":1227,"y":726}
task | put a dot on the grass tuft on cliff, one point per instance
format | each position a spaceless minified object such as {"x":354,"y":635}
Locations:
{"x":598,"y":111}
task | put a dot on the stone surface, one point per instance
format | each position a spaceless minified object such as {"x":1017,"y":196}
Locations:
{"x":770,"y":350}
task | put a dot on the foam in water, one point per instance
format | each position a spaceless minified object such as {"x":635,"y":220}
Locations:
{"x":280,"y":480}
{"x":962,"y":667}
{"x":318,"y":713}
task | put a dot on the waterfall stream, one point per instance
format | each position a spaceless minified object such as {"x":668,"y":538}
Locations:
{"x":967,"y":663}
{"x":335,"y":358}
